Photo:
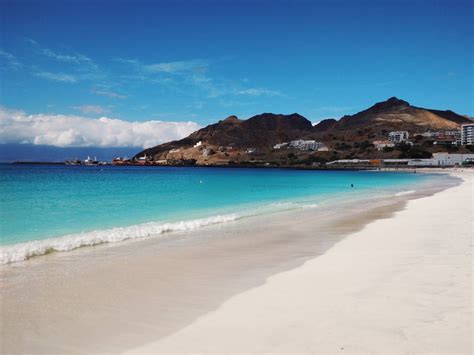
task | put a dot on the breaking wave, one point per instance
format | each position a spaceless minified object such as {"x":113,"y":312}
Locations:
{"x":290,"y":205}
{"x":402,"y":193}
{"x":24,"y":251}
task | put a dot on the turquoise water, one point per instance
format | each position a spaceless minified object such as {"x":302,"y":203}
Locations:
{"x":40,"y":202}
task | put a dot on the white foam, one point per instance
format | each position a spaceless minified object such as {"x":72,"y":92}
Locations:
{"x":310,"y":205}
{"x":290,"y":205}
{"x":23,"y":251}
{"x":405,"y":193}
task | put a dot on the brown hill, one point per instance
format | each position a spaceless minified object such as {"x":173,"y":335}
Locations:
{"x":260,"y":131}
{"x":396,"y":114}
{"x":267,"y":129}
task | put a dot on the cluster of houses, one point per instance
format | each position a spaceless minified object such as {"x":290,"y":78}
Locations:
{"x":394,"y":138}
{"x":462,"y":136}
{"x":304,"y":145}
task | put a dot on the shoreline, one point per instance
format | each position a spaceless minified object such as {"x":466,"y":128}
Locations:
{"x":114,"y":287}
{"x":23,"y":251}
{"x":445,"y":169}
{"x":376,"y":291}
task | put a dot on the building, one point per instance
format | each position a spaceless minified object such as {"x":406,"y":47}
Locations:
{"x":449,"y":133}
{"x":442,"y":159}
{"x":443,"y":142}
{"x":439,"y":159}
{"x":198,"y":144}
{"x":395,"y":162}
{"x":467,"y":134}
{"x":352,"y":162}
{"x":120,"y":161}
{"x":430,"y":134}
{"x":142,"y":160}
{"x":280,"y":145}
{"x":453,"y":133}
{"x":380,"y":145}
{"x":398,"y":137}
{"x":307,"y":145}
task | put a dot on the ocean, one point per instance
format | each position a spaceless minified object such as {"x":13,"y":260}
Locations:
{"x":58,"y":208}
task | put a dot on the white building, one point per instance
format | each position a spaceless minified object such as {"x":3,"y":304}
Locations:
{"x":198,"y":144}
{"x":430,"y":134}
{"x":442,"y":159}
{"x":398,"y":136}
{"x":306,"y":145}
{"x":453,"y":133}
{"x":349,"y":161}
{"x":467,"y":134}
{"x":379,"y":145}
{"x":280,"y":145}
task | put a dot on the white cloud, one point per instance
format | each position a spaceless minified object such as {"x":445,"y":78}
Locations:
{"x":108,"y":93}
{"x":83,"y":67}
{"x":76,"y":131}
{"x":65,"y":78}
{"x":259,"y":92}
{"x":9,"y":60}
{"x":92,"y":109}
{"x":176,"y":67}
{"x":75,"y":58}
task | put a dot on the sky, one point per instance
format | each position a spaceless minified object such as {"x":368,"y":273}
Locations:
{"x":138,"y":73}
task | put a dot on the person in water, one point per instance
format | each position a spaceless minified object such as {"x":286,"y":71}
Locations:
{"x":352,"y":185}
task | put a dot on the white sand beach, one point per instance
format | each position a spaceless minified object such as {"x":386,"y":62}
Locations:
{"x":390,"y":277}
{"x":400,"y":285}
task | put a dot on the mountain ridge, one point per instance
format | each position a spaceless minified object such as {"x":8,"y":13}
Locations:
{"x":263,"y":131}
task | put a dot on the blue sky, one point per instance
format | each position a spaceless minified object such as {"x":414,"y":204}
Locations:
{"x":204,"y":60}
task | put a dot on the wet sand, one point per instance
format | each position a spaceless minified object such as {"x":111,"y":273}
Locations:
{"x":117,"y":298}
{"x":402,"y":285}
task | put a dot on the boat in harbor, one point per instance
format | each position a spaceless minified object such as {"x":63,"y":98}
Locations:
{"x":73,"y":162}
{"x":90,"y":161}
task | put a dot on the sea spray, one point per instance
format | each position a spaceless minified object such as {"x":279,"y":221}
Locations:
{"x":24,"y":251}
{"x":402,"y":193}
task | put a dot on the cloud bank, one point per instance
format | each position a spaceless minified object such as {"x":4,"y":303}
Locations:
{"x":76,"y":131}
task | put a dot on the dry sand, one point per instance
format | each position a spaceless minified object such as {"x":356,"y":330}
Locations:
{"x":400,"y":285}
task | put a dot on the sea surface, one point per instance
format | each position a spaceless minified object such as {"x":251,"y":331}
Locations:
{"x":53,"y":207}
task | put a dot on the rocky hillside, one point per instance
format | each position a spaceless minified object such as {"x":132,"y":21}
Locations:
{"x":229,"y":140}
{"x":261,"y":131}
{"x":396,"y":114}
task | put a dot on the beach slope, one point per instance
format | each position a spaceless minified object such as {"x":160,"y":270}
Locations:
{"x":400,"y":285}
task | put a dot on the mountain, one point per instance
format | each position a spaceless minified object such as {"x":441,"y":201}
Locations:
{"x":260,"y":131}
{"x":396,"y":114}
{"x":233,"y":140}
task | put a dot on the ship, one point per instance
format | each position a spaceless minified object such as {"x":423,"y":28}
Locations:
{"x":90,"y":161}
{"x":73,"y":162}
